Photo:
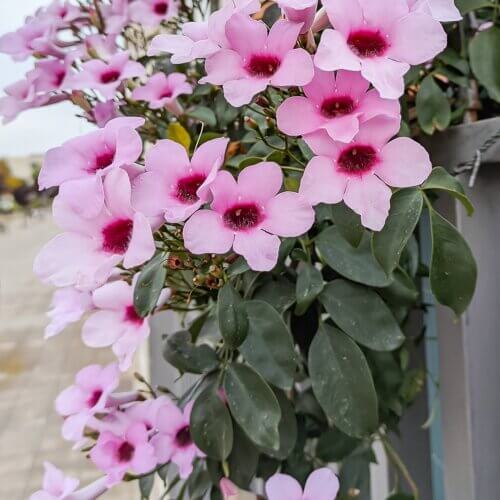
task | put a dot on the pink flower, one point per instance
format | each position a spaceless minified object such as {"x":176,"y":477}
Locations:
{"x":100,"y":47}
{"x":116,"y":322}
{"x":61,"y":14}
{"x":104,"y":112}
{"x":125,"y":448}
{"x":162,"y":91}
{"x":86,"y":253}
{"x":106,"y":76}
{"x":249,"y":215}
{"x":257,"y":59}
{"x":147,"y":411}
{"x":440,"y":10}
{"x":173,"y":186}
{"x":57,"y":486}
{"x":231,"y":492}
{"x":116,"y":16}
{"x":336,"y":103}
{"x":151,"y":13}
{"x":173,"y":441}
{"x":19,"y":97}
{"x":48,"y":75}
{"x":88,"y":396}
{"x":322,"y":484}
{"x":360,"y":172}
{"x":79,"y":164}
{"x":201,"y":39}
{"x":68,"y":306}
{"x":299,"y":11}
{"x":379,"y":38}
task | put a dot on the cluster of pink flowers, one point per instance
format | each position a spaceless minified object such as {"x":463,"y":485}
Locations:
{"x":111,"y":202}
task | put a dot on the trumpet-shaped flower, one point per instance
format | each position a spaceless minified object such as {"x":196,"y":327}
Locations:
{"x":336,"y":103}
{"x":440,"y":10}
{"x":379,"y":38}
{"x":248,"y":215}
{"x":88,"y":396}
{"x":116,"y":16}
{"x":78,"y":165}
{"x":116,"y":322}
{"x":256,"y":59}
{"x":106,"y":76}
{"x":361,"y":172}
{"x":173,"y":441}
{"x":153,"y":12}
{"x":322,"y":484}
{"x":61,"y":13}
{"x":300,"y":11}
{"x":173,"y":186}
{"x":86,"y":253}
{"x":161,"y":91}
{"x":231,"y":492}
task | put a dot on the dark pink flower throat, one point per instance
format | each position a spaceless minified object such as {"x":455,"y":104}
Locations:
{"x":132,"y":317}
{"x":357,"y":159}
{"x":183,"y":437}
{"x":160,"y":8}
{"x":367,"y":43}
{"x":242,"y":217}
{"x":117,"y":235}
{"x":263,"y":65}
{"x":94,"y":398}
{"x":110,"y":76}
{"x":187,"y":188}
{"x":125,"y":452}
{"x":337,"y":106}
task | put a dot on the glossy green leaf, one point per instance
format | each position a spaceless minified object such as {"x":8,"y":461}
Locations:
{"x":402,"y":291}
{"x":309,"y":285}
{"x":233,"y":320}
{"x":389,"y":243}
{"x":357,"y":264}
{"x":243,"y":460}
{"x":362,"y":314}
{"x":149,"y":285}
{"x":348,"y":223}
{"x":484,"y":52}
{"x":203,"y":114}
{"x":269,"y":346}
{"x":466,"y":6}
{"x":187,"y":357}
{"x":211,"y":426}
{"x":253,"y":405}
{"x":279,"y":293}
{"x":441,"y":180}
{"x":146,"y":484}
{"x":333,"y":445}
{"x":342,"y":382}
{"x":433,"y":107}
{"x":453,"y":272}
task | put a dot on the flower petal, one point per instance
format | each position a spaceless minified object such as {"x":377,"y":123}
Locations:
{"x":283,"y":487}
{"x":322,"y":484}
{"x":259,"y":248}
{"x":293,"y":107}
{"x":333,"y":53}
{"x":385,"y":75}
{"x":296,"y":69}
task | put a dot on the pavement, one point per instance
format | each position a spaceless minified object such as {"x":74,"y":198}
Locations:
{"x":33,"y":371}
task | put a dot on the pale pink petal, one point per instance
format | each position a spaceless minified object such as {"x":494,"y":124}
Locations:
{"x":222,"y":67}
{"x":385,"y":75}
{"x":283,"y":487}
{"x":73,"y":426}
{"x":288,"y":214}
{"x":344,"y":14}
{"x":321,"y":183}
{"x":369,"y":197}
{"x":102,"y":329}
{"x":170,"y":419}
{"x":84,"y":196}
{"x":322,"y":144}
{"x":59,"y":165}
{"x":128,"y":146}
{"x":283,"y":37}
{"x":343,"y":128}
{"x":142,"y":246}
{"x":383,"y":13}
{"x":417,"y":38}
{"x":184,"y":461}
{"x":444,"y":10}
{"x":167,"y":155}
{"x":246,"y":35}
{"x":321,"y":86}
{"x":163,"y":446}
{"x":322,"y":484}
{"x":151,"y":193}
{"x":296,"y":69}
{"x":351,"y":83}
{"x":117,"y":193}
{"x":225,"y":191}
{"x":242,"y":91}
{"x":205,"y":232}
{"x":404,"y":163}
{"x":378,"y":131}
{"x":294,"y":107}
{"x":260,"y":182}
{"x":333,"y":53}
{"x":144,"y":459}
{"x":373,"y":105}
{"x":210,"y":153}
{"x":115,"y":296}
{"x":259,"y":248}
{"x":70,"y":401}
{"x":179,"y":45}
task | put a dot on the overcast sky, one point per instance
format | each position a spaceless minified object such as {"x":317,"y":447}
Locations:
{"x":37,"y":130}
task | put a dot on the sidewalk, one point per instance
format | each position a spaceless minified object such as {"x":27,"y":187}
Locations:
{"x":34,"y":371}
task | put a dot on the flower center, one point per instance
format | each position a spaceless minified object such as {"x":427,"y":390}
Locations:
{"x":110,"y":76}
{"x":102,"y":160}
{"x":188,"y":187}
{"x":367,"y":43}
{"x":125,"y":452}
{"x":161,"y":8}
{"x":166,"y":93}
{"x":131,"y":315}
{"x":183,"y":437}
{"x":242,"y":217}
{"x":357,"y":159}
{"x":94,"y":398}
{"x":263,"y":65}
{"x":59,"y":77}
{"x":337,"y":106}
{"x":116,"y":236}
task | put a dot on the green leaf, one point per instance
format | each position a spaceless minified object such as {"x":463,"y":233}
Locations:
{"x":348,"y":223}
{"x":279,"y":293}
{"x":176,"y":132}
{"x":333,"y":445}
{"x":342,"y":382}
{"x":484,"y":52}
{"x":362,"y":314}
{"x":203,"y":114}
{"x":402,"y":291}
{"x":239,"y":266}
{"x":211,"y":426}
{"x":441,"y":180}
{"x":149,"y":285}
{"x":146,"y":484}
{"x":309,"y":286}
{"x":389,"y":243}
{"x":453,"y":272}
{"x":357,"y":264}
{"x":466,"y":6}
{"x":253,"y":405}
{"x":433,"y":107}
{"x":187,"y":357}
{"x":243,"y":459}
{"x":233,"y":320}
{"x":269,"y":346}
